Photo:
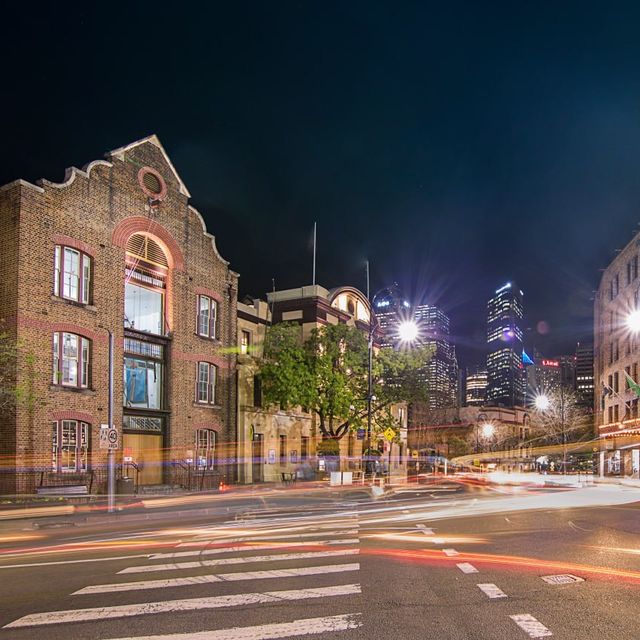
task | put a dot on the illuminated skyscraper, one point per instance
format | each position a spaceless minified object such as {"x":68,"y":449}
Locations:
{"x":505,"y":378}
{"x":390,"y":308}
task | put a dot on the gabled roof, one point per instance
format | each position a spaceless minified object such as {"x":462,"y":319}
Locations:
{"x":153,"y":139}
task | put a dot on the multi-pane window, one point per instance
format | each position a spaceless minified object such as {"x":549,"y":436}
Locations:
{"x":245,"y":342}
{"x":304,"y":447}
{"x":205,"y":448}
{"x":70,"y":360}
{"x":207,"y":313}
{"x":70,"y":445}
{"x":206,"y":383}
{"x":283,"y":449}
{"x":72,"y":274}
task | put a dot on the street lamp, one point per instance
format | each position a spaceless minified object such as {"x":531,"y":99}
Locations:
{"x":633,"y":321}
{"x":488,"y":429}
{"x":407,"y":331}
{"x":542,"y":402}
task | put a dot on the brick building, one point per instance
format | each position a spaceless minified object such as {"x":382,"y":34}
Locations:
{"x":115,"y":248}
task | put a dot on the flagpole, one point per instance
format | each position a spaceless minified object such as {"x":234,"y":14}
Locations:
{"x":314,"y":253}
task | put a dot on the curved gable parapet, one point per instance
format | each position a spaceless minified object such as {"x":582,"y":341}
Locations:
{"x":206,"y":233}
{"x":70,"y":174}
{"x":139,"y":224}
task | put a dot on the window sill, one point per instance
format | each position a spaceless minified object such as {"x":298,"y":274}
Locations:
{"x":73,"y":303}
{"x":80,"y":390}
{"x":215,"y":341}
{"x":204,"y":405}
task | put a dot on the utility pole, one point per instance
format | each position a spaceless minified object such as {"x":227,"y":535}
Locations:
{"x":111,"y":476}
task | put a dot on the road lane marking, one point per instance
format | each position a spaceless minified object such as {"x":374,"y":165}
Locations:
{"x":465,"y":567}
{"x":173,"y":606}
{"x":244,"y":560}
{"x":276,"y":536}
{"x":221,"y":577}
{"x":492,"y":591}
{"x":309,"y":626}
{"x":46,"y":564}
{"x":450,"y":552}
{"x":531,"y":626}
{"x":250,"y":547}
{"x":426,"y":530}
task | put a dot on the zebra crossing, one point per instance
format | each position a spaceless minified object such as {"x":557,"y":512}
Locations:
{"x":328,"y":551}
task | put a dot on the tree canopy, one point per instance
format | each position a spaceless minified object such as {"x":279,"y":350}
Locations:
{"x":328,"y":374}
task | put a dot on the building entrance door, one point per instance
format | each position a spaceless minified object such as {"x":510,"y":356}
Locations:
{"x":257,"y":459}
{"x":146,"y":452}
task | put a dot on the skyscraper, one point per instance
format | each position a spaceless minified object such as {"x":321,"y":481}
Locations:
{"x":476,"y":388}
{"x":390,"y":308}
{"x":505,"y":378}
{"x":584,"y":374}
{"x":440,"y":373}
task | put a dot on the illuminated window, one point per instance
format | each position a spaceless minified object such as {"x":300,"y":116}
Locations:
{"x":207,"y":316}
{"x":205,"y":448}
{"x":245,"y":341}
{"x":206,"y":383}
{"x":72,"y":274}
{"x":70,"y":360}
{"x":70,"y":445}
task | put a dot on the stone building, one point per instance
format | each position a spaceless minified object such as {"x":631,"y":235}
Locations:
{"x":273,"y":442}
{"x":115,"y":248}
{"x":616,"y":353}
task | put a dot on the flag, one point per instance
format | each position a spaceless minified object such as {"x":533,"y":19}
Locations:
{"x":633,"y":385}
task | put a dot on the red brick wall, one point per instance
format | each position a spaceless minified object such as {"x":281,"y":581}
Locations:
{"x":95,"y":210}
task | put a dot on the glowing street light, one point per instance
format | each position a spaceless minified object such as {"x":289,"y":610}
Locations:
{"x":542,"y":402}
{"x":488,"y":429}
{"x":407,"y":331}
{"x":633,"y":321}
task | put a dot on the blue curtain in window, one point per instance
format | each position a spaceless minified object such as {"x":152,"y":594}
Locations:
{"x":136,"y":385}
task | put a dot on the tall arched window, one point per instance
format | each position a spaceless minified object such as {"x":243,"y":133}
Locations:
{"x":145,"y":285}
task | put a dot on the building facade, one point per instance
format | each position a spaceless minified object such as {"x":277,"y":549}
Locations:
{"x":440,"y":374}
{"x":505,"y":375}
{"x":390,"y":308}
{"x":616,"y":355}
{"x":116,"y":249}
{"x":476,"y":388}
{"x":584,"y":374}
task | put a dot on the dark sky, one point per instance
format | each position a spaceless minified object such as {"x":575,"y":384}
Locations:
{"x":456,"y":145}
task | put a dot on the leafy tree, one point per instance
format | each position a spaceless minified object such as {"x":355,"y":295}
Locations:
{"x":328,"y":375}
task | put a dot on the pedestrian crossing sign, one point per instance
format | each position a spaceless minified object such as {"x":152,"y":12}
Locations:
{"x":389,"y":434}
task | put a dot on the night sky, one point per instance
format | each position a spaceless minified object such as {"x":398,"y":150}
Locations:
{"x":455,"y":145}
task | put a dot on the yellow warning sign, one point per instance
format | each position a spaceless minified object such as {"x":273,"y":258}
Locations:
{"x":389,"y":434}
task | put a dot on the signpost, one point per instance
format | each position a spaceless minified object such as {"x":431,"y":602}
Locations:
{"x":389,"y":434}
{"x":104,"y":431}
{"x":113,"y":439}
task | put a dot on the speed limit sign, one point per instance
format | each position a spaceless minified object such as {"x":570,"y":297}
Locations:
{"x":113,"y":439}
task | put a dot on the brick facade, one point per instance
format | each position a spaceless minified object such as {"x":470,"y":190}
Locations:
{"x":96,"y":210}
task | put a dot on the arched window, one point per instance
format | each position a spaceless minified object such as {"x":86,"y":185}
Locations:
{"x":145,"y":285}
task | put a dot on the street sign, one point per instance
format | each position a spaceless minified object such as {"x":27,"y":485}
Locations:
{"x":360,"y":434}
{"x":113,"y":439}
{"x":389,"y":434}
{"x":414,"y":454}
{"x":104,"y":432}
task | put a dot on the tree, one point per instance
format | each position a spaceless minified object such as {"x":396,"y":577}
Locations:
{"x":560,"y":419}
{"x":328,"y":374}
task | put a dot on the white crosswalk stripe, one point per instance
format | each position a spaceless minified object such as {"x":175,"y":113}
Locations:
{"x":297,"y":545}
{"x":173,"y":606}
{"x":194,"y":564}
{"x":222,"y":577}
{"x":252,"y":547}
{"x":308,"y":626}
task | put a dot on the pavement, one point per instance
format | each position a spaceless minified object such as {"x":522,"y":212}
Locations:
{"x":452,"y":560}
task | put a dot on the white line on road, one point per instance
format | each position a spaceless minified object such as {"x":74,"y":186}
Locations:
{"x":276,"y":536}
{"x":244,"y":560}
{"x":465,"y":567}
{"x":221,"y":577}
{"x":492,"y":591}
{"x":46,"y":564}
{"x":172,"y":606}
{"x":426,"y":530}
{"x":531,"y":626}
{"x":309,"y":626}
{"x":251,"y":547}
{"x":450,"y":552}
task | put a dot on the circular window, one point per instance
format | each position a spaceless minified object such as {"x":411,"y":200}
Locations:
{"x":152,"y":183}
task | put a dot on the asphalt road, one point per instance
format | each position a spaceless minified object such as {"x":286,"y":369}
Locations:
{"x":448,"y":561}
